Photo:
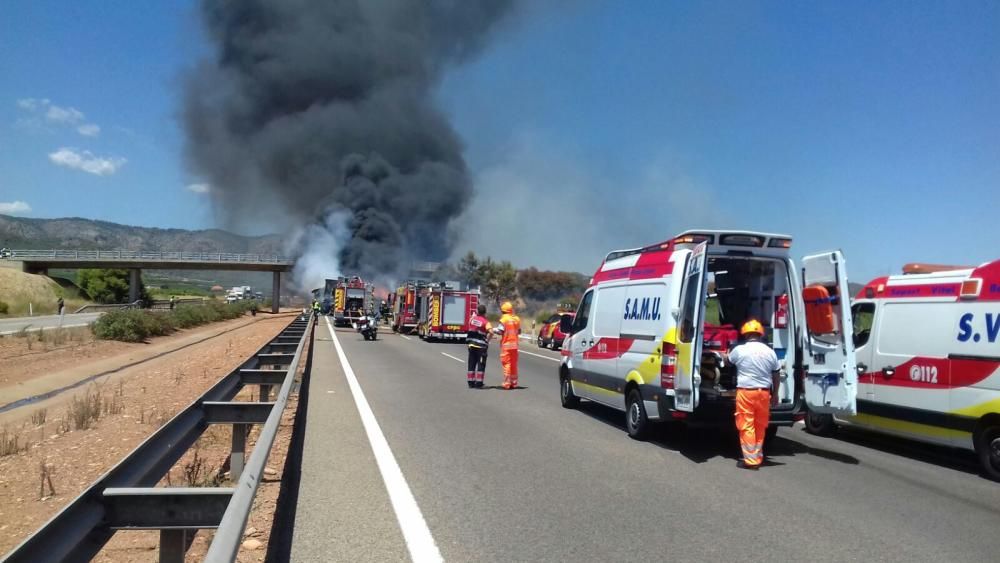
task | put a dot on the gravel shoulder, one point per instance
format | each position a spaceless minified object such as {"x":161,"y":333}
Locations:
{"x":130,"y":404}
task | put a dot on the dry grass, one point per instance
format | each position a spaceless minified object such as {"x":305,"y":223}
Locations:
{"x":46,"y":470}
{"x":19,"y":290}
{"x":38,"y":417}
{"x":11,"y":443}
{"x":85,"y":410}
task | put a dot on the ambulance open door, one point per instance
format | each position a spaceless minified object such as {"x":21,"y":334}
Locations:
{"x":831,"y":376}
{"x":690,"y":320}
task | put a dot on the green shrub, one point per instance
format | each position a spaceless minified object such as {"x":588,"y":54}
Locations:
{"x":542,"y":317}
{"x":4,"y":308}
{"x":135,"y":325}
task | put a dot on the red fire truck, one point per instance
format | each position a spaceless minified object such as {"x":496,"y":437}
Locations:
{"x":404,"y":307}
{"x":444,"y":312}
{"x":352,"y":297}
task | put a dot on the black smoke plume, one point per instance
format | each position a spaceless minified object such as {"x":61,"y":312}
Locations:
{"x":324,"y":110}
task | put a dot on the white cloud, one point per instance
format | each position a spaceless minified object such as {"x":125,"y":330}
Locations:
{"x":199,"y":188}
{"x":31,"y":104}
{"x":58,"y":115}
{"x":15,"y":208}
{"x":87,"y":161}
{"x":89,"y":130}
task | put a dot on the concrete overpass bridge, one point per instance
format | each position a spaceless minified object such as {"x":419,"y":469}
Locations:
{"x":41,"y":261}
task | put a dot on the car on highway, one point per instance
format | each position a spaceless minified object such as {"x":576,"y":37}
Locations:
{"x":554,"y":330}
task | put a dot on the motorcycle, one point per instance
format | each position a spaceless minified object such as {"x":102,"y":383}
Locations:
{"x":367,"y":327}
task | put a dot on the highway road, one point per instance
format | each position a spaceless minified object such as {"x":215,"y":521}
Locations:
{"x":422,"y":466}
{"x":13,"y":325}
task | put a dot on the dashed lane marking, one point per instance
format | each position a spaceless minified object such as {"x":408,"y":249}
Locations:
{"x":453,"y":357}
{"x":406,"y":337}
{"x":419,"y":540}
{"x":541,"y":356}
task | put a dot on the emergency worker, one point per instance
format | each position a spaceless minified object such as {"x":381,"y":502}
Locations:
{"x":509,"y":330}
{"x":315,"y":306}
{"x":478,"y":339}
{"x":757,"y":390}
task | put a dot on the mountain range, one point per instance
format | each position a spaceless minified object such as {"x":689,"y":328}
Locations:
{"x":75,"y":233}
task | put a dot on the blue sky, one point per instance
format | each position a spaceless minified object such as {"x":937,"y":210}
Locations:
{"x":870,"y":126}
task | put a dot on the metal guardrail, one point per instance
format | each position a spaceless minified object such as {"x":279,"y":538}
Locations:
{"x":126,"y":497}
{"x":137,"y":255}
{"x":155,"y":304}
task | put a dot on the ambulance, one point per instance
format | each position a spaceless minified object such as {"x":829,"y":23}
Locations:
{"x":928,"y":357}
{"x":650,"y":332}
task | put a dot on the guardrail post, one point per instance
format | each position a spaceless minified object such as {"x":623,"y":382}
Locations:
{"x":275,"y":291}
{"x":173,"y":546}
{"x":239,"y":453}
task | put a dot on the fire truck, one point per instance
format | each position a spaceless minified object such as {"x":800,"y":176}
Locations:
{"x":404,"y":306}
{"x":349,"y":298}
{"x":444,"y":311}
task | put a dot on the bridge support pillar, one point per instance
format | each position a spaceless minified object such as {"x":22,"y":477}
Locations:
{"x":134,"y":284}
{"x":275,"y":291}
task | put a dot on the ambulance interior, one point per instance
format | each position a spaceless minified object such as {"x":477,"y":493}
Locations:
{"x":740,"y":289}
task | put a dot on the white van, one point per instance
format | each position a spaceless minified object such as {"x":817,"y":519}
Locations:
{"x":649,"y":330}
{"x":928,"y":353}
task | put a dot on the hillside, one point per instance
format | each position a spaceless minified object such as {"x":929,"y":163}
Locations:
{"x":74,"y":233}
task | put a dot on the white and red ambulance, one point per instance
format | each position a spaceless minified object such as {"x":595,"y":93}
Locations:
{"x":650,"y":331}
{"x":928,"y":353}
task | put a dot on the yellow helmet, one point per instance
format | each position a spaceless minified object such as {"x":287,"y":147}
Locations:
{"x":752,"y":326}
{"x":506,"y":307}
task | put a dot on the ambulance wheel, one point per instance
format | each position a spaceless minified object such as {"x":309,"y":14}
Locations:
{"x":552,"y":344}
{"x":988,"y":448}
{"x":820,"y":424}
{"x":541,"y":343}
{"x":566,"y":396}
{"x":636,"y":421}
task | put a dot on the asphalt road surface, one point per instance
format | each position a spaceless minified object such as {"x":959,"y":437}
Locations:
{"x":10,"y":326}
{"x":493,"y":475}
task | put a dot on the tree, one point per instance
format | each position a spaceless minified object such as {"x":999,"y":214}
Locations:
{"x":499,"y":280}
{"x":107,"y":285}
{"x":535,"y":284}
{"x":468,"y":269}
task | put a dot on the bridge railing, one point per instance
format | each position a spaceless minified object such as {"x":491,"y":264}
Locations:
{"x":140,"y":255}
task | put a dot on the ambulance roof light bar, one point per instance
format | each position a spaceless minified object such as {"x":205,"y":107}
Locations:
{"x":616,"y":254}
{"x":922,"y":268}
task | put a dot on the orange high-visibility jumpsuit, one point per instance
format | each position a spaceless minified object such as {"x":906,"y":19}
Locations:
{"x":753,"y":413}
{"x":508,"y":349}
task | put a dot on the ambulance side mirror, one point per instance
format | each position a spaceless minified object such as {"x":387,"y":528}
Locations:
{"x":675,"y":313}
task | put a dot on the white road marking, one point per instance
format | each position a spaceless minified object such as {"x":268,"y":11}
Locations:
{"x":406,"y":337}
{"x":419,"y":540}
{"x":453,"y":357}
{"x":550,"y":358}
{"x":30,"y":328}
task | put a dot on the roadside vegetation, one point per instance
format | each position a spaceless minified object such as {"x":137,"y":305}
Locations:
{"x":107,"y":285}
{"x":138,"y":325}
{"x":537,"y":294}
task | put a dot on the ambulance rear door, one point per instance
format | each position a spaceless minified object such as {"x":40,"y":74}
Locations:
{"x":831,"y":376}
{"x":690,"y":321}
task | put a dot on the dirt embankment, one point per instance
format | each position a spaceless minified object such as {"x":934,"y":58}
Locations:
{"x":64,"y":443}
